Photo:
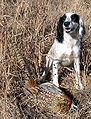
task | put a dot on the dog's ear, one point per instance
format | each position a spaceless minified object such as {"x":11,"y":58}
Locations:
{"x":82,"y":30}
{"x":60,"y":28}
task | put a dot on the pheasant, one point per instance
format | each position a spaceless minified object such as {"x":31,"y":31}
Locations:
{"x":50,"y":98}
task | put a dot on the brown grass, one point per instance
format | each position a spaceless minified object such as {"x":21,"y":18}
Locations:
{"x":27,"y":30}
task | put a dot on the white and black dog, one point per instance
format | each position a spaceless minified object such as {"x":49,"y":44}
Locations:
{"x":66,"y":47}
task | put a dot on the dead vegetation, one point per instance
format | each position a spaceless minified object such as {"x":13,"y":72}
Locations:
{"x":27,"y":30}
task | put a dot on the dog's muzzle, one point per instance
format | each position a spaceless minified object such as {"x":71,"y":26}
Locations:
{"x":68,"y":27}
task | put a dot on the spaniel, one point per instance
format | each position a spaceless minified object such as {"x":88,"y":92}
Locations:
{"x":66,"y":47}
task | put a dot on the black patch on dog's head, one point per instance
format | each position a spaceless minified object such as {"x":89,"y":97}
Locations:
{"x":82,"y":31}
{"x":75,"y":18}
{"x":60,"y":28}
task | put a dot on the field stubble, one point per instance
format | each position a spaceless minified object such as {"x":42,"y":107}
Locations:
{"x":27,"y":31}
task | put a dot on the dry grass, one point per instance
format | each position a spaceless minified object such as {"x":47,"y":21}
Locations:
{"x":27,"y":30}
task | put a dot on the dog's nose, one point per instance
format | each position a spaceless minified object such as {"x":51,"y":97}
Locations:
{"x":67,"y":23}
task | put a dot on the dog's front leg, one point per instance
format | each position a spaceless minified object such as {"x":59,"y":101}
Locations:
{"x":47,"y":68}
{"x":55,"y":73}
{"x":77,"y":71}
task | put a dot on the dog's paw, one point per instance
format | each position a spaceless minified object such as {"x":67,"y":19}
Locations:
{"x":56,"y":83}
{"x":80,"y":86}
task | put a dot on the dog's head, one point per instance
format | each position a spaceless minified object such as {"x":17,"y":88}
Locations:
{"x":70,"y":23}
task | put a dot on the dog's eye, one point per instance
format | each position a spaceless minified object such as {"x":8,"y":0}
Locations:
{"x":75,"y":18}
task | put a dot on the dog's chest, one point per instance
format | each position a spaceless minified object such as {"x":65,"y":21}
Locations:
{"x":67,"y":57}
{"x":65,"y":53}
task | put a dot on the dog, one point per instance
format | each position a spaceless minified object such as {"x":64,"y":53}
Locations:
{"x":66,"y":47}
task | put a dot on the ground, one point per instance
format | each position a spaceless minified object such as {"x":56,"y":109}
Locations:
{"x":27,"y":31}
